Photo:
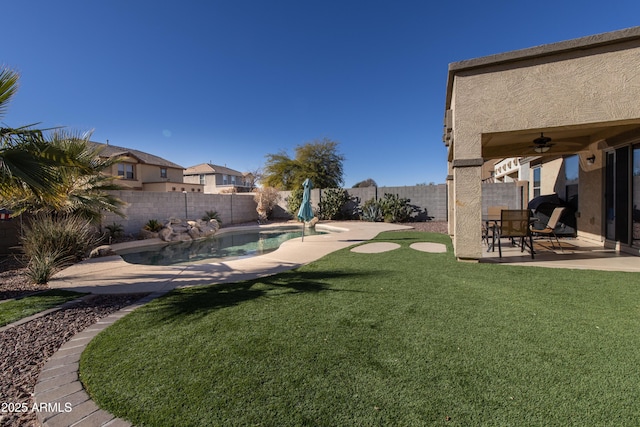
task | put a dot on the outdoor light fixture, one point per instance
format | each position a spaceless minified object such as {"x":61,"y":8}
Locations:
{"x":541,"y":144}
{"x":591,"y":159}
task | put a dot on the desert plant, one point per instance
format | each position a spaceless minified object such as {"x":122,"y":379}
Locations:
{"x":372,"y":211}
{"x":42,"y":266}
{"x":114,"y":230}
{"x":266,"y":199}
{"x":50,"y":242}
{"x":209,"y":215}
{"x":294,"y":200}
{"x":395,"y":208}
{"x":332,"y":203}
{"x":153,"y":225}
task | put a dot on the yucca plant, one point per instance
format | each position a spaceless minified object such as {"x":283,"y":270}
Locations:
{"x":50,"y":242}
{"x":43,"y":265}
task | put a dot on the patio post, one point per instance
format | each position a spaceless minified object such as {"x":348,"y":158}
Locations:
{"x":467,"y":206}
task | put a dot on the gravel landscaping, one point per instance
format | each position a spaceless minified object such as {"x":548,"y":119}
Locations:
{"x":25,"y":348}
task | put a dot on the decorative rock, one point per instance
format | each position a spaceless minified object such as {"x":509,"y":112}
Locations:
{"x":146,"y":234}
{"x":100,"y":251}
{"x":177,"y":230}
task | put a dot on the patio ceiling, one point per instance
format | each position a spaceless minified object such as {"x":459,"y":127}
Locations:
{"x":563,"y":140}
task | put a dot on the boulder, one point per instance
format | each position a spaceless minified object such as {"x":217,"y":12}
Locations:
{"x":177,"y":230}
{"x":100,"y":251}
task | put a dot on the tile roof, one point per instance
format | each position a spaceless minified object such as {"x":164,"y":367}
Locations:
{"x":109,"y":150}
{"x":208,"y":168}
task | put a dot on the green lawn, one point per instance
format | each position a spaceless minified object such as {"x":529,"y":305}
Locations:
{"x":403,"y":338}
{"x":12,"y":311}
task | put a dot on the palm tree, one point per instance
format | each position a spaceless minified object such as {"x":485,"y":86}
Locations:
{"x":50,"y":170}
{"x":80,"y":189}
{"x":26,"y":160}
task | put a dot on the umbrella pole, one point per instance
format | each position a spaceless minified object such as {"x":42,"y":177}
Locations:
{"x":303,"y":231}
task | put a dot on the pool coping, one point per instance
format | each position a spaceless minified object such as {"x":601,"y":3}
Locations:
{"x":111,"y":274}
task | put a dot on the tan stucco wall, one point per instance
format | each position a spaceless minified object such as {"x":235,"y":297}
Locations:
{"x":600,"y":87}
{"x":575,"y":88}
{"x":172,"y":187}
{"x":467,"y":197}
{"x":550,"y":173}
{"x":590,"y":218}
{"x":151,"y":173}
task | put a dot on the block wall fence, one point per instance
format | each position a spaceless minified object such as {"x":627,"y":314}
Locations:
{"x":141,"y":206}
{"x":431,"y":200}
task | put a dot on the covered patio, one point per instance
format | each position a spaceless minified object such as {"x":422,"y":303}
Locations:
{"x":576,"y":254}
{"x":572,"y":98}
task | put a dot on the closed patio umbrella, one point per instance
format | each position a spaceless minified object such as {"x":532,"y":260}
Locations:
{"x":306,"y":213}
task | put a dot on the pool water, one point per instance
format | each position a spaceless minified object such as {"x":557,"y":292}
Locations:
{"x":225,"y":246}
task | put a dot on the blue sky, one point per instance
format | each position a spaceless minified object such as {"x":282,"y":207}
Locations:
{"x":229,"y":82}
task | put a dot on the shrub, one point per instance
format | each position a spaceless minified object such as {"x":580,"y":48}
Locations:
{"x":114,"y":230}
{"x":372,"y":211}
{"x":294,"y":201}
{"x":42,"y":266}
{"x":334,"y":204}
{"x":395,"y":209}
{"x":153,"y":225}
{"x":209,"y":215}
{"x":266,"y":199}
{"x":51,"y":242}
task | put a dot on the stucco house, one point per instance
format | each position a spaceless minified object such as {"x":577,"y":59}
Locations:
{"x":563,"y":106}
{"x":218,"y":179}
{"x":142,"y":171}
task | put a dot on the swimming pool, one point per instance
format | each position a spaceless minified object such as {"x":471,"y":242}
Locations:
{"x":223,"y":246}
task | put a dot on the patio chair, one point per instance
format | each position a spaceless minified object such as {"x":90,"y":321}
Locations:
{"x":489,"y":225}
{"x":514,"y":224}
{"x":550,"y":228}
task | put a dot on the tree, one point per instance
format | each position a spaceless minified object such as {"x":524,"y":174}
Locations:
{"x":253,"y":177}
{"x":79,"y":189}
{"x":318,"y":160}
{"x":366,"y":183}
{"x":26,"y":160}
{"x":49,"y":170}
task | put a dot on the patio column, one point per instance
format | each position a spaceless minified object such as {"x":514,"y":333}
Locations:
{"x":450,"y":206}
{"x":467,"y":207}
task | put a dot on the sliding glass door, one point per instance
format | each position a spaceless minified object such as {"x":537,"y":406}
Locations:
{"x":622,"y":195}
{"x":635,"y":188}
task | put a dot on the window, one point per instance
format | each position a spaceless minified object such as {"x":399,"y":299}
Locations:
{"x":233,"y":180}
{"x":225,"y":179}
{"x":163,"y":172}
{"x":571,"y":180}
{"x":125,"y":170}
{"x":202,"y":179}
{"x":536,"y":181}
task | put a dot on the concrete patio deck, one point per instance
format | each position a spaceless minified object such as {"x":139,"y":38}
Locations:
{"x":575,"y":254}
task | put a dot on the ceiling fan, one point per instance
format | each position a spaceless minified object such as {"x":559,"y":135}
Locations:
{"x":542,"y":144}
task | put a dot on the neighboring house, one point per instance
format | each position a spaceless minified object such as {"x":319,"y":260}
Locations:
{"x":218,"y":179}
{"x":583,"y":95}
{"x":142,"y":171}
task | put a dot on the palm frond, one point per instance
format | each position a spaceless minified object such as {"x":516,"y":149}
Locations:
{"x":8,"y":88}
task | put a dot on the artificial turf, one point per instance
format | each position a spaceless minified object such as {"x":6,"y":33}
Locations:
{"x":14,"y":310}
{"x":401,"y":338}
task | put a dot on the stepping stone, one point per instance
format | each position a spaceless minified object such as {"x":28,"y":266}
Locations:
{"x":429,"y":247}
{"x":374,"y":248}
